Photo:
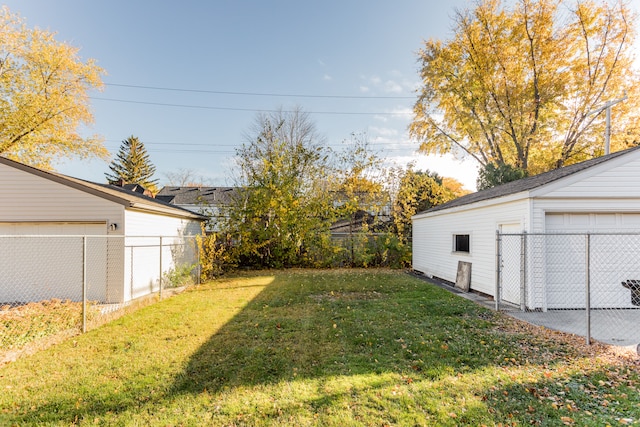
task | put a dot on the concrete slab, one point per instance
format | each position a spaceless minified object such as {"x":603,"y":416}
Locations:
{"x":619,"y":327}
{"x":612,"y":326}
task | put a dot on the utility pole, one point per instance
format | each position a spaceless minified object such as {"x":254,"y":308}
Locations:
{"x":607,"y":132}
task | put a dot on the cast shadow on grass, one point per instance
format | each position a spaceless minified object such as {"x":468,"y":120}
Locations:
{"x":319,"y":327}
{"x":300,"y":328}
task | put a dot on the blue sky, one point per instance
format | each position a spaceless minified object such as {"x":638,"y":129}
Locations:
{"x":283,"y":47}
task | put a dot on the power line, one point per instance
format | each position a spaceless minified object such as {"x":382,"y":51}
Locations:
{"x":398,"y":146}
{"x":225,"y":148}
{"x":203,"y":151}
{"x":288,"y":95}
{"x":254,"y":110}
{"x":202,"y":144}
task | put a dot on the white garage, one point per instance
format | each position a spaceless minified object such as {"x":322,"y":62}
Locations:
{"x":600,"y":196}
{"x":58,"y":232}
{"x":611,"y":248}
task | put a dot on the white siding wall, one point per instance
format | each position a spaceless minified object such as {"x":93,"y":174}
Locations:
{"x":142,"y":249}
{"x":433,"y":237}
{"x":48,"y":207}
{"x":619,"y":178}
{"x":581,"y":202}
{"x":34,"y":205}
{"x":147,"y":224}
{"x":610,"y":188}
{"x":610,"y":193}
{"x":27,"y":197}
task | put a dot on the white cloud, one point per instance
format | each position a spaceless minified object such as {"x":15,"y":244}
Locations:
{"x":401,"y":114}
{"x":398,"y":149}
{"x":396,"y":85}
{"x":384,"y":131}
{"x":327,"y":77}
{"x":402,"y":111}
{"x":364,"y":89}
{"x":391,"y":86}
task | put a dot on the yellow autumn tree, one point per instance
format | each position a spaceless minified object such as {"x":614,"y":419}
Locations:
{"x":43,"y":96}
{"x":519,"y":86}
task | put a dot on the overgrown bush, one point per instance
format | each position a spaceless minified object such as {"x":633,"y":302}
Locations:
{"x":321,"y":252}
{"x":373,"y":250}
{"x":181,"y":275}
{"x":215,"y":256}
{"x":360,"y":250}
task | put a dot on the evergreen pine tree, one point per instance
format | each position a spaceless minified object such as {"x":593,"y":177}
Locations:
{"x":132,"y":165}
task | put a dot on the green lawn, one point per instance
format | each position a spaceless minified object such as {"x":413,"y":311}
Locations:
{"x":327,"y":348}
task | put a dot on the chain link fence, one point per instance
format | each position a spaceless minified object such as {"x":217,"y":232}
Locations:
{"x":52,"y":287}
{"x":582,"y":283}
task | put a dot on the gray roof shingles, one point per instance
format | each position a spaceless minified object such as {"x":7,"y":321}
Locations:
{"x":212,"y":196}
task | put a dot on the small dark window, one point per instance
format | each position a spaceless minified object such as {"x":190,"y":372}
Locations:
{"x":461,"y":243}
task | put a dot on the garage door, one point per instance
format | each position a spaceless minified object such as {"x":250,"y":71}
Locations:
{"x":613,"y":258}
{"x":41,"y":261}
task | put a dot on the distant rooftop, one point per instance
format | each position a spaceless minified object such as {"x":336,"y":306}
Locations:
{"x":196,"y":195}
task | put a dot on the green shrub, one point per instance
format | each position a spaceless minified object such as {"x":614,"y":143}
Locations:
{"x":181,"y":275}
{"x":215,"y":256}
{"x":363,"y":250}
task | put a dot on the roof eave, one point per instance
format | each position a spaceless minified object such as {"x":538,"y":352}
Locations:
{"x":475,"y":205}
{"x":166,"y":211}
{"x":96,"y":190}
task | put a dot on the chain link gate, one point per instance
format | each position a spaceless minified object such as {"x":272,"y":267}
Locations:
{"x":582,"y":283}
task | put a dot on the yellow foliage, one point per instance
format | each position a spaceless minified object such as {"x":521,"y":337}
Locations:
{"x":454,"y":186}
{"x":44,"y":100}
{"x":518,"y":86}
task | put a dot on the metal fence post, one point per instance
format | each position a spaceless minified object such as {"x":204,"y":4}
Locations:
{"x":588,"y":286}
{"x":84,"y":284}
{"x":131,"y":274}
{"x":160,"y":280}
{"x":498,"y":270}
{"x":523,"y":269}
{"x":199,"y":264}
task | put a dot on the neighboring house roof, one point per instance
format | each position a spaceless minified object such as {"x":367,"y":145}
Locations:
{"x":526,"y":184}
{"x":212,"y":196}
{"x":124,"y":197}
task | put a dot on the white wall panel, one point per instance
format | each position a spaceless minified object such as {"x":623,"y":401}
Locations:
{"x":433,"y":237}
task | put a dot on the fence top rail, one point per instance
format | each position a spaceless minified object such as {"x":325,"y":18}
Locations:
{"x":110,"y":236}
{"x":599,"y":233}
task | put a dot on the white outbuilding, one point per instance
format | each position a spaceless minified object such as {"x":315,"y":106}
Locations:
{"x":601,"y":195}
{"x":59,"y":233}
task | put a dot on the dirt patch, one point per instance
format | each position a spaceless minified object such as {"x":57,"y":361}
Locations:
{"x":347,"y":296}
